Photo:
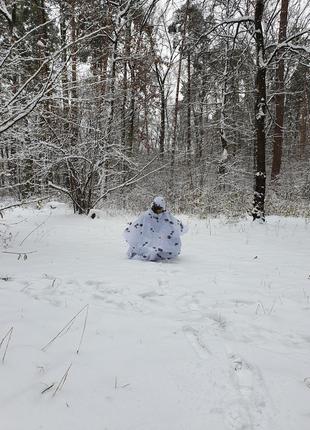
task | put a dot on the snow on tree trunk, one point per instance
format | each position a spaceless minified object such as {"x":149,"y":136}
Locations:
{"x":258,"y":211}
{"x":279,"y":97}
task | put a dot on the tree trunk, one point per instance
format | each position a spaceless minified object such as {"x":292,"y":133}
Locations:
{"x":112,"y":88}
{"x":43,"y":50}
{"x":132,"y":109}
{"x":163,"y":109}
{"x":125,"y":87}
{"x":176,"y":105}
{"x":189,"y":104}
{"x":222,"y":163}
{"x":162,"y":122}
{"x":64,"y":75}
{"x":202,"y":110}
{"x":304,"y":123}
{"x":74,"y":81}
{"x":258,"y":211}
{"x":279,"y":97}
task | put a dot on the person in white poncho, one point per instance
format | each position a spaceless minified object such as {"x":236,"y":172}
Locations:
{"x":155,"y":235}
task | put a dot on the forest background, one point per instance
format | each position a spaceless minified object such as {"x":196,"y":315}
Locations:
{"x":109,"y":103}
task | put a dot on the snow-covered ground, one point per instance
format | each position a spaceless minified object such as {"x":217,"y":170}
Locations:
{"x":218,"y":339}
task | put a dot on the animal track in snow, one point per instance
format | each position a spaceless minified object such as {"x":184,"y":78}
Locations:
{"x":150,"y":294}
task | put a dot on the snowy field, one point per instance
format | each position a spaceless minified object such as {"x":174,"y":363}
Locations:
{"x":217,"y":339}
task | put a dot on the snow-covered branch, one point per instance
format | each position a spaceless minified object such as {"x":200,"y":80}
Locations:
{"x":65,"y":191}
{"x":31,"y":105}
{"x":286,"y":44}
{"x":131,"y":181}
{"x":23,"y":203}
{"x":227,"y":21}
{"x":24,"y":37}
{"x":4,"y":11}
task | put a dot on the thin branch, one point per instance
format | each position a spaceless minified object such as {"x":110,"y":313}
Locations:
{"x":286,"y":44}
{"x":132,"y":180}
{"x":65,"y":191}
{"x":23,"y":38}
{"x":4,"y":11}
{"x":227,"y":21}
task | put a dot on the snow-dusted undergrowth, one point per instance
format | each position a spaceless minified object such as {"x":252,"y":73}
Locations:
{"x":218,"y":339}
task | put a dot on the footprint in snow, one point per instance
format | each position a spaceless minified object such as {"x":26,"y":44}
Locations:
{"x":162,"y":282}
{"x":150,"y":294}
{"x":98,"y":285}
{"x":251,"y":394}
{"x":196,"y":341}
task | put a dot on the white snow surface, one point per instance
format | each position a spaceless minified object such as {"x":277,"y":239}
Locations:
{"x":217,"y":339}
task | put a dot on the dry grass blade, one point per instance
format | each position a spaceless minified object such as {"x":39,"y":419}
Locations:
{"x":35,"y":229}
{"x":67,"y":327}
{"x":62,"y":381}
{"x":7,"y":337}
{"x":116,"y":386}
{"x":83,"y":331}
{"x":47,"y":388}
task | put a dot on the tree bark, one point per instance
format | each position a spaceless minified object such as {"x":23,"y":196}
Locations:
{"x":258,"y":211}
{"x":189,"y":104}
{"x":222,"y":164}
{"x":74,"y":81}
{"x":176,"y":105}
{"x":162,"y":122}
{"x":64,"y":75}
{"x":279,"y":97}
{"x":304,"y":123}
{"x":132,"y":109}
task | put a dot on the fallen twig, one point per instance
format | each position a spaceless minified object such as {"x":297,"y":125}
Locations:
{"x":5,"y":278}
{"x":21,"y":255}
{"x":17,"y":253}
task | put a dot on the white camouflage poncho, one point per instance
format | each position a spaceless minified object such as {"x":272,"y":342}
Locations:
{"x":154,"y":236}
